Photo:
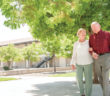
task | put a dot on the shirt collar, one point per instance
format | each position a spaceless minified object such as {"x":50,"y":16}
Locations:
{"x":82,"y":42}
{"x":98,"y":33}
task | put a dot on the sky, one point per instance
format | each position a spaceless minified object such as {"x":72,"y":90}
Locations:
{"x":9,"y":34}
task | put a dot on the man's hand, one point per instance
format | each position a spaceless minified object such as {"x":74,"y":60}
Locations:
{"x":73,"y":67}
{"x":95,"y":55}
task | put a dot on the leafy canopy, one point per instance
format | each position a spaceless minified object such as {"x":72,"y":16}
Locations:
{"x":55,"y":22}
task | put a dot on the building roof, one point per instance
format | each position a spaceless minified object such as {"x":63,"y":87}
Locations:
{"x":18,"y":41}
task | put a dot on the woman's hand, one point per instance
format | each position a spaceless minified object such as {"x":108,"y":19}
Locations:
{"x":95,"y":55}
{"x":90,"y":49}
{"x":73,"y":67}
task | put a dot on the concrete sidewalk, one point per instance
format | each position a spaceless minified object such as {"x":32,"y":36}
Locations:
{"x":32,"y":85}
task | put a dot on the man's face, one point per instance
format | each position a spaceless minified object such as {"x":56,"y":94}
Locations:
{"x":95,"y":28}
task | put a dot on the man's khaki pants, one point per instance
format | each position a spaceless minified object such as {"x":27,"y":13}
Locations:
{"x":102,"y":66}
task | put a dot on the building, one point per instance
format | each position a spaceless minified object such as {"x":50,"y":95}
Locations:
{"x":20,"y":43}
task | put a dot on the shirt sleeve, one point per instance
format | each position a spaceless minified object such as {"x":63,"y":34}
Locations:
{"x":90,"y":44}
{"x":109,"y":38}
{"x":73,"y":60}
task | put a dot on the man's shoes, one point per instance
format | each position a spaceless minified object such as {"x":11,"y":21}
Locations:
{"x":83,"y":95}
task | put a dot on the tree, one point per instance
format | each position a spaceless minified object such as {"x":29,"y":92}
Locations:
{"x":49,"y":23}
{"x":9,"y":54}
{"x":49,"y":19}
{"x":30,"y":54}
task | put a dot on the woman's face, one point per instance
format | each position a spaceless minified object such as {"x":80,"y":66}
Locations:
{"x":82,"y":35}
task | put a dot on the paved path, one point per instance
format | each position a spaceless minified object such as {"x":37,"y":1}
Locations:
{"x":38,"y":85}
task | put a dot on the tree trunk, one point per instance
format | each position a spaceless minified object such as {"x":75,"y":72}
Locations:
{"x":31,"y":64}
{"x":28,"y":63}
{"x":9,"y":64}
{"x":54,"y":63}
{"x":54,"y":66}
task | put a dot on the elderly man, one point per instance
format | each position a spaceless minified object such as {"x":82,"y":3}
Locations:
{"x":100,"y":43}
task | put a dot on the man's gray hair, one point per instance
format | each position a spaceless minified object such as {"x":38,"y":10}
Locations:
{"x":95,"y":22}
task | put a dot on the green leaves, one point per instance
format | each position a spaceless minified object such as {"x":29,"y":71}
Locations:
{"x":30,"y":53}
{"x":1,"y":1}
{"x":8,"y":53}
{"x":54,"y":21}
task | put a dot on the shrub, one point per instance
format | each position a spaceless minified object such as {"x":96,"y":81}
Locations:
{"x":6,"y":68}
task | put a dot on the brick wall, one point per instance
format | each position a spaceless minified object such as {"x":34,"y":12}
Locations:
{"x":31,"y":70}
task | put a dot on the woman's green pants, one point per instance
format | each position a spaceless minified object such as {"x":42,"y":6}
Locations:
{"x":84,"y":70}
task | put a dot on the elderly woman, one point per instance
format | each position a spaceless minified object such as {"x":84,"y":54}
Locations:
{"x":82,"y":60}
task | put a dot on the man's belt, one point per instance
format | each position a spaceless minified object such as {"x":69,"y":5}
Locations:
{"x":103,"y":54}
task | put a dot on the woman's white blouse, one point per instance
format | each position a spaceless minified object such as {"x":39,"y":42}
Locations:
{"x":81,"y":55}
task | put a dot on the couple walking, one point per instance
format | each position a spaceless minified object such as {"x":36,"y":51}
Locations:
{"x":85,"y":52}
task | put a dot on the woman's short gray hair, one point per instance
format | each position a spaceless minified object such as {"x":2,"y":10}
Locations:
{"x":80,"y":30}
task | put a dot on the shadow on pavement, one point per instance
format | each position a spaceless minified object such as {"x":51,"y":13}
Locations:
{"x":58,"y":88}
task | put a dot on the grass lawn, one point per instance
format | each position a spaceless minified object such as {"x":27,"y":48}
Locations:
{"x":70,"y":74}
{"x":7,"y":79}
